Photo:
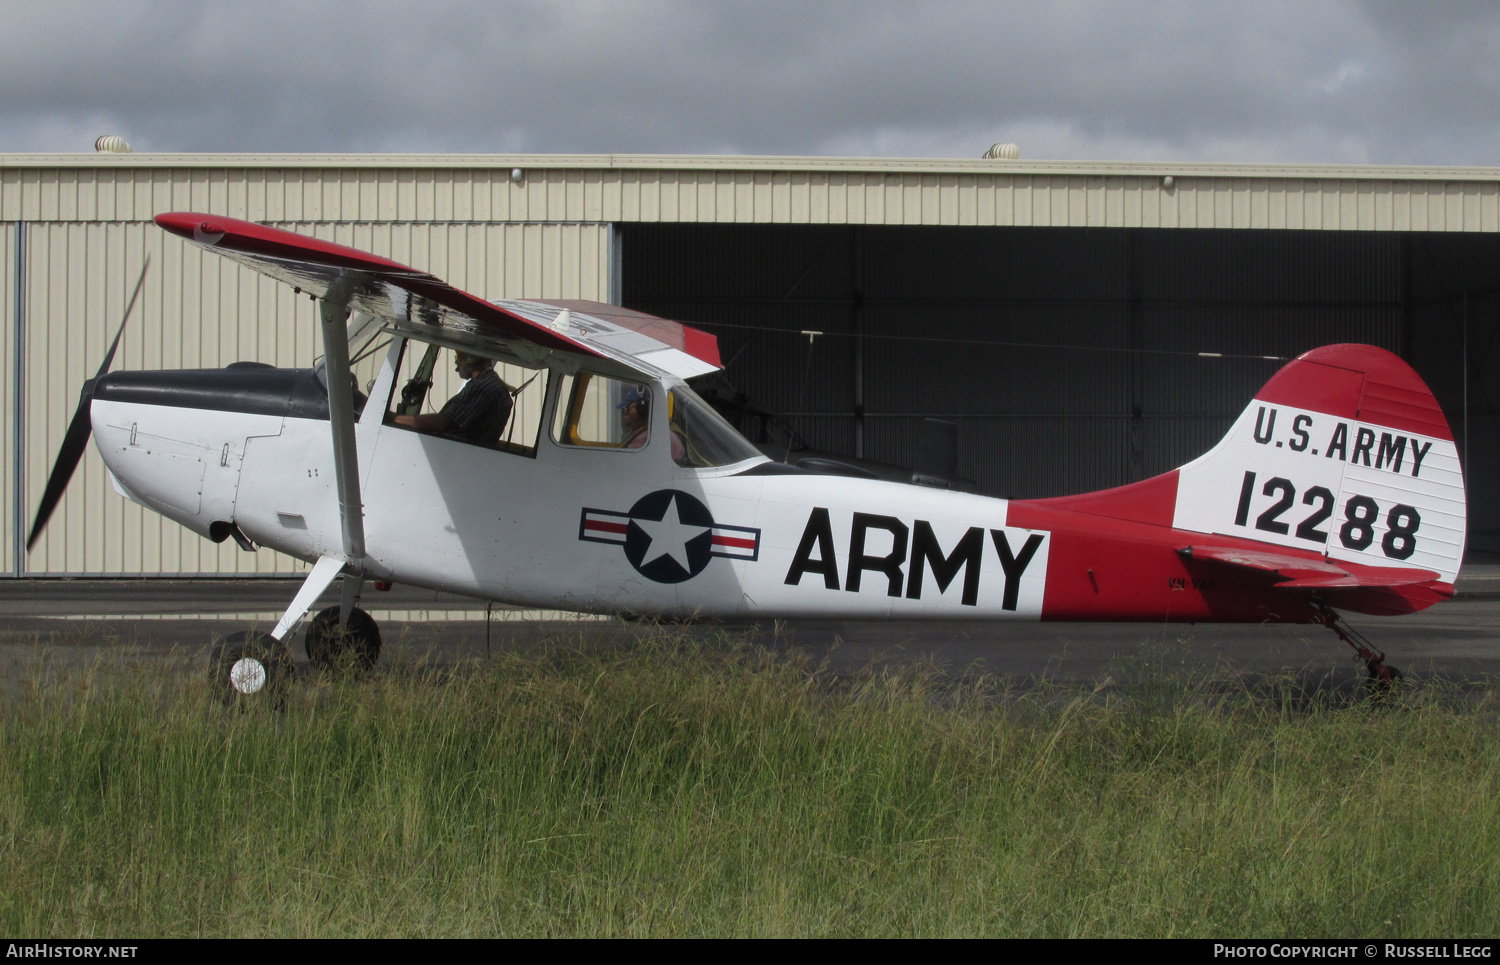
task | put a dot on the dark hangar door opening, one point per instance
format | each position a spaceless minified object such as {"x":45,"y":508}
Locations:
{"x":1068,"y":357}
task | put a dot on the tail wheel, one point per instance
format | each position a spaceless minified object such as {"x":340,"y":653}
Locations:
{"x":1383,"y":683}
{"x":330,"y":645}
{"x":250,"y":667}
{"x":1383,"y":680}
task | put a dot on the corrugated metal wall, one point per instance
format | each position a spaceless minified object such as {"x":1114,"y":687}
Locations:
{"x":1455,"y":344}
{"x":9,"y":308}
{"x":1068,"y":358}
{"x":748,"y":191}
{"x":199,"y":310}
{"x":821,"y":244}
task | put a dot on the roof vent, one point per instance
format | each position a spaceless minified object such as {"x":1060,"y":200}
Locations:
{"x":111,"y":144}
{"x":1002,"y":152}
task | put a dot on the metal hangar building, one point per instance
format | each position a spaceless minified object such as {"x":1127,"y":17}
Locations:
{"x":1084,"y":325}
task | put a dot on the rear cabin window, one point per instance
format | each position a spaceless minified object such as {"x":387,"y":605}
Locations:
{"x":599,"y":412}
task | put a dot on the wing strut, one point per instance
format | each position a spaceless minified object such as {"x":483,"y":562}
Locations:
{"x":334,"y":313}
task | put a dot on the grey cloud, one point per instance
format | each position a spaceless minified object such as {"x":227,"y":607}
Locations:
{"x":1384,"y":82}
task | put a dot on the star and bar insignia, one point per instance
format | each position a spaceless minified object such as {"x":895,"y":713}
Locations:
{"x":669,"y":536}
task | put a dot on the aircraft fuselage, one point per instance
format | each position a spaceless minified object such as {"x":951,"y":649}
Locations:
{"x":627,"y":530}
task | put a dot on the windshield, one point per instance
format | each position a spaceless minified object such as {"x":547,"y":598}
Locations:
{"x":706,"y":439}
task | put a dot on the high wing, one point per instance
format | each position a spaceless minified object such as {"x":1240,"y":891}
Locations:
{"x":420,"y":305}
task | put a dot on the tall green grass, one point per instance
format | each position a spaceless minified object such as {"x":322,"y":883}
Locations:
{"x":673,"y":786}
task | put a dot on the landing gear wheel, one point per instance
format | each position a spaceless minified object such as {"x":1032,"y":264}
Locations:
{"x":250,"y":667}
{"x":330,"y":646}
{"x":1383,"y":683}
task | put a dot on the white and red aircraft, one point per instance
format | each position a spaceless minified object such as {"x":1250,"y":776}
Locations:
{"x":614,"y":488}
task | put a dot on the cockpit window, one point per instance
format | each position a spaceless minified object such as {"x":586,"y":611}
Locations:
{"x":700,"y":436}
{"x":487,"y":404}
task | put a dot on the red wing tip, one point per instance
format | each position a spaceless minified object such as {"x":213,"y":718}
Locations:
{"x":257,"y":239}
{"x":180,"y":222}
{"x":199,"y":228}
{"x":702,"y":345}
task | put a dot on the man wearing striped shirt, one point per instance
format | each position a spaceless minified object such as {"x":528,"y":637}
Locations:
{"x":480,"y":410}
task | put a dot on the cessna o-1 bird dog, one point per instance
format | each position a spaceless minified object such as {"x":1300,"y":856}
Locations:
{"x":616,"y":489}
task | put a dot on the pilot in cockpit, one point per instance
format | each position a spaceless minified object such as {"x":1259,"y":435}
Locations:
{"x":635,"y":418}
{"x":480,"y":410}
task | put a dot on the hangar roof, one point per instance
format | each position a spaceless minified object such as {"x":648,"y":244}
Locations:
{"x":735,"y":189}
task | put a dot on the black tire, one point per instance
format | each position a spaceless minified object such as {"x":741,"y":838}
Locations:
{"x":251,"y":667}
{"x":330,"y":646}
{"x":1383,"y":689}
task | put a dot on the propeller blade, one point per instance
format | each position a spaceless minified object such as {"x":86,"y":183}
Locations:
{"x":76,"y":440}
{"x":74,"y":443}
{"x":109,"y":356}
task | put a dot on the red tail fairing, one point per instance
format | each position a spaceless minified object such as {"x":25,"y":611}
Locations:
{"x":1359,"y":382}
{"x":1339,"y":483}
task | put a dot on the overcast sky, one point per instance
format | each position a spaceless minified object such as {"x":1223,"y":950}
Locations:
{"x":1379,"y":82}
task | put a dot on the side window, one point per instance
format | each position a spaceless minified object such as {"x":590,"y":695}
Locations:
{"x":597,"y":411}
{"x":366,"y":357}
{"x":468,"y":398}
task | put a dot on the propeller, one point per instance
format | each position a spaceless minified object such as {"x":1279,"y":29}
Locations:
{"x":77,"y":438}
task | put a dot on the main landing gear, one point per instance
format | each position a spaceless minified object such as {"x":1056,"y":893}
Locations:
{"x":255,"y":667}
{"x":355,"y":646}
{"x":1382,"y":678}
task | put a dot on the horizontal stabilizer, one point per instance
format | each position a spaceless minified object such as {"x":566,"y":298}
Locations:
{"x":1296,"y":572}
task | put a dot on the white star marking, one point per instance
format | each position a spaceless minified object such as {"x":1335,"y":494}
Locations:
{"x":669,"y":536}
